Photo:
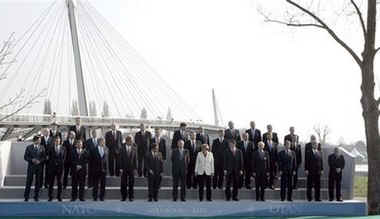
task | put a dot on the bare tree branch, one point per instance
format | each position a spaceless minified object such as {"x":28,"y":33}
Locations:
{"x":328,"y":29}
{"x":29,"y":102}
{"x":360,"y":15}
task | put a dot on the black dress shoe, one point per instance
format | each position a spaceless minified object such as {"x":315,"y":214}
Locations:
{"x":331,"y":200}
{"x":290,"y":200}
{"x":200,"y":200}
{"x":318,"y":200}
{"x":82,"y":199}
{"x":50,"y":199}
{"x":59,"y":199}
{"x":339,"y":200}
{"x":183,"y":200}
{"x":150,"y":200}
{"x":36,"y":199}
{"x":209,"y":200}
{"x":26,"y":200}
{"x":123,"y":199}
{"x":101,"y":199}
{"x":263,"y":200}
{"x":95,"y":199}
{"x":73,"y":199}
{"x":131,"y":199}
{"x":174,"y":199}
{"x":155,"y":199}
{"x":235,"y":199}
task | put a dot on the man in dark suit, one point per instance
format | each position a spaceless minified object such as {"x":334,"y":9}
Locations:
{"x":90,"y":146}
{"x":154,"y":166}
{"x":218,"y":148}
{"x":313,"y":171}
{"x":80,"y":158}
{"x":35,"y":155}
{"x":69,"y":146}
{"x":128,"y":165}
{"x":309,"y":146}
{"x":113,"y":143}
{"x":336,"y":166}
{"x":296,"y":147}
{"x":46,"y":142}
{"x":261,"y":170}
{"x":142,"y":140}
{"x":247,"y":149}
{"x":54,"y":131}
{"x":160,"y":141}
{"x":179,"y":135}
{"x":180,"y":161}
{"x":271,"y":146}
{"x":202,"y":137}
{"x":99,"y":162}
{"x":80,"y":131}
{"x":193,"y":146}
{"x":287,"y":164}
{"x":56,"y":158}
{"x":254,"y":134}
{"x":233,"y":169}
{"x":232,"y":134}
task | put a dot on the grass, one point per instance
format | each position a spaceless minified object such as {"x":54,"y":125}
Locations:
{"x":360,"y":186}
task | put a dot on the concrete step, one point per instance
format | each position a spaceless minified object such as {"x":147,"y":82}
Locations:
{"x":19,"y":180}
{"x":113,"y":193}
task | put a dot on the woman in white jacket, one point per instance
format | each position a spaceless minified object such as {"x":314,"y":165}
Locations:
{"x":204,"y":169}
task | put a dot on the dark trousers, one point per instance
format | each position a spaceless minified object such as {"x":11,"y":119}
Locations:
{"x":78,"y":180}
{"x":204,"y":180}
{"x":127,"y":184}
{"x":90,"y":176}
{"x":295,"y":179}
{"x":154,"y":182}
{"x":43,"y":173}
{"x":218,"y":177}
{"x":179,"y":180}
{"x":313,"y":180}
{"x":232,"y":179}
{"x":68,"y":170}
{"x":55,"y":174}
{"x":286,"y":186}
{"x":141,"y":170}
{"x":335,"y":181}
{"x":46,"y":177}
{"x":99,"y":183}
{"x":191,"y":178}
{"x":261,"y":182}
{"x":272,"y":174}
{"x":246,"y":177}
{"x":113,"y":164}
{"x":36,"y":173}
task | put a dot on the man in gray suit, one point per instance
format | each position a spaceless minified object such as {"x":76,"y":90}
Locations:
{"x":180,"y":161}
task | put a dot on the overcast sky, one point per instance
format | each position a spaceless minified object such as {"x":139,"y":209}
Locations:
{"x":260,"y":71}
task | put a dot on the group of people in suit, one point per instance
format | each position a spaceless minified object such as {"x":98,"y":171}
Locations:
{"x":196,"y":164}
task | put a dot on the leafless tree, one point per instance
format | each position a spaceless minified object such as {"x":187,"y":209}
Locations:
{"x":307,"y":14}
{"x":21,"y":100}
{"x":322,"y":132}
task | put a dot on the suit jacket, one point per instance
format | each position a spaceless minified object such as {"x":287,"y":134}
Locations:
{"x":295,"y":146}
{"x":203,"y":138}
{"x":128,"y":162}
{"x":254,"y":137}
{"x":154,"y":164}
{"x":274,"y":137}
{"x":309,"y":147}
{"x":99,"y":163}
{"x":287,"y":161}
{"x":56,"y":159}
{"x":180,"y":164}
{"x":176,"y":137}
{"x":90,"y":144}
{"x":335,"y":162}
{"x":47,"y":142}
{"x":161,"y":146}
{"x":232,"y":134}
{"x":314,"y":162}
{"x":272,"y":151}
{"x":193,"y":151}
{"x":204,"y":164}
{"x":69,"y":148}
{"x":218,"y":149}
{"x":233,"y":163}
{"x":143,"y":142}
{"x":57,"y":134}
{"x":79,"y":134}
{"x":80,"y":160}
{"x":247,"y":153}
{"x":32,"y":153}
{"x":261,"y":162}
{"x":113,"y":142}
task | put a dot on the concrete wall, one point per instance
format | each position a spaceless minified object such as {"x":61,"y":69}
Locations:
{"x":5,"y":148}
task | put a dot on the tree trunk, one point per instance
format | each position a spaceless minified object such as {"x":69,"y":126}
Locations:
{"x":371,"y":121}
